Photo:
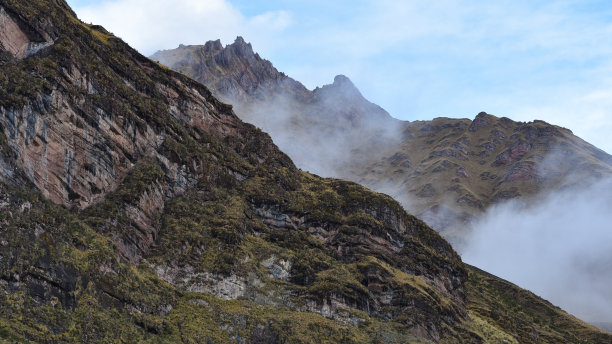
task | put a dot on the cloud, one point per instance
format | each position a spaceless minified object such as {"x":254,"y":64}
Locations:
{"x":560,"y":248}
{"x":586,"y":110}
{"x":151,"y":25}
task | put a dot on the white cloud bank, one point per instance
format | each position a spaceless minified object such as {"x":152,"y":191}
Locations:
{"x":561,"y":248}
{"x":151,"y":25}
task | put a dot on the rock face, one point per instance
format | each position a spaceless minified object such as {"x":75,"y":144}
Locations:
{"x":135,"y":207}
{"x":238,"y":75}
{"x":77,"y":148}
{"x":19,"y":39}
{"x":235,"y":72}
{"x":335,"y":132}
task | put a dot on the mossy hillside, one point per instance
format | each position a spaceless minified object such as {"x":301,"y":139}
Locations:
{"x":61,"y":273}
{"x":491,"y":333}
{"x":332,"y":203}
{"x":524,"y":316}
{"x":345,"y":202}
{"x":126,"y":307}
{"x":221,"y":221}
{"x":219,"y":231}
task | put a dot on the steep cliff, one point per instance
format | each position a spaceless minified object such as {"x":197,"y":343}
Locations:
{"x":136,"y":207}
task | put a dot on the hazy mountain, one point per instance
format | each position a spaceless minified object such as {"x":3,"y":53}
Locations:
{"x":321,"y":130}
{"x":447,"y":171}
{"x":526,"y":200}
{"x":137,"y":208}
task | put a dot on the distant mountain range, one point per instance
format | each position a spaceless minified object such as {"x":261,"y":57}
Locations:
{"x":447,"y":171}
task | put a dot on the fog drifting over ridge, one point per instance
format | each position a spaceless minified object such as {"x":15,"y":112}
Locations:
{"x":322,"y":132}
{"x":559,"y":248}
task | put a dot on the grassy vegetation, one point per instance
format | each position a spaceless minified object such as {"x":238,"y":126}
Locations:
{"x":490,"y":333}
{"x":499,"y":306}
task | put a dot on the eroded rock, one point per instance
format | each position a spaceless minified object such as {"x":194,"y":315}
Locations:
{"x":19,"y":42}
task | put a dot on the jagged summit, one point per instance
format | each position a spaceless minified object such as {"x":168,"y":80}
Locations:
{"x":239,"y":76}
{"x":211,"y":45}
{"x":243,"y":49}
{"x":233,"y":71}
{"x":239,"y":45}
{"x":240,"y":42}
{"x":292,"y":114}
{"x":342,"y":88}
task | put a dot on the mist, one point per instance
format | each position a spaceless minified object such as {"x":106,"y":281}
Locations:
{"x":328,"y":131}
{"x":560,"y":248}
{"x":558,"y":245}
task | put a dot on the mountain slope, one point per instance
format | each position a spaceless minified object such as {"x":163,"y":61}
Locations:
{"x":448,"y":171}
{"x":136,"y":207}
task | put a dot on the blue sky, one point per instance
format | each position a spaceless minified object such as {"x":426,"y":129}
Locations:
{"x":418,"y":59}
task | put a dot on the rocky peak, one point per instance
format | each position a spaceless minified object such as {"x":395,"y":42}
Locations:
{"x":481,"y":120}
{"x":211,"y":46}
{"x":342,"y":99}
{"x":343,"y":87}
{"x":341,"y":80}
{"x":243,"y":51}
{"x":233,"y":73}
{"x":241,"y":44}
{"x":283,"y":107}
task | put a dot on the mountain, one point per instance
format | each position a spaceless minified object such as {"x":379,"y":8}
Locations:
{"x":321,"y":129}
{"x":135,"y":207}
{"x":447,"y":171}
